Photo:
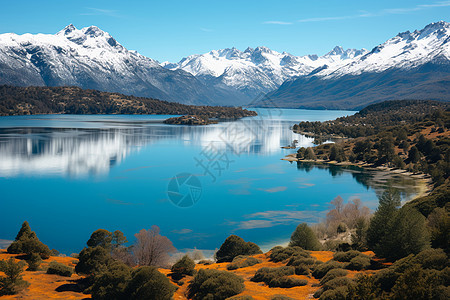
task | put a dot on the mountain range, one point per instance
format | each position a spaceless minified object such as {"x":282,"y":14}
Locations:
{"x":411,"y":65}
{"x":92,"y":59}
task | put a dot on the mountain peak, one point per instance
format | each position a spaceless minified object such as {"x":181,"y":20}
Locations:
{"x":338,"y":50}
{"x":93,"y":31}
{"x":67,"y":30}
{"x":263,"y":49}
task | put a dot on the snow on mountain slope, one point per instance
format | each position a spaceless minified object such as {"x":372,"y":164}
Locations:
{"x":257,"y":70}
{"x":92,"y":58}
{"x":406,"y":50}
{"x":411,"y":65}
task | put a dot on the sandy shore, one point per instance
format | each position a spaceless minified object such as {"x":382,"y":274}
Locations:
{"x":424,"y":182}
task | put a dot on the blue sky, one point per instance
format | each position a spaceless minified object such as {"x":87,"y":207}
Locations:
{"x":170,"y":30}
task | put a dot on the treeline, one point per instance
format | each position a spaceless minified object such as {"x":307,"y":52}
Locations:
{"x":414,"y":137}
{"x":379,"y":117}
{"x":74,"y":100}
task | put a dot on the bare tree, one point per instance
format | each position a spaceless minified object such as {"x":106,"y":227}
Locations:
{"x":347,"y":214}
{"x":151,"y":248}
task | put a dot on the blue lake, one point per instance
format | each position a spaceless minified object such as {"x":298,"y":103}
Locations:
{"x":70,"y":175}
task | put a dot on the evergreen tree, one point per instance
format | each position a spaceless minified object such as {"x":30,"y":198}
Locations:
{"x":27,"y":242}
{"x":304,"y":237}
{"x":118,"y":239}
{"x":100,"y":237}
{"x":413,"y":154}
{"x":406,"y":234}
{"x":12,"y":282}
{"x":309,"y":154}
{"x":234,"y":246}
{"x":378,"y":227}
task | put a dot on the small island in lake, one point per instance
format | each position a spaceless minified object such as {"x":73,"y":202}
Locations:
{"x":189,"y":120}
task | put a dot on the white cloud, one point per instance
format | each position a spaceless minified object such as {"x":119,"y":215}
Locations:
{"x":387,"y":11}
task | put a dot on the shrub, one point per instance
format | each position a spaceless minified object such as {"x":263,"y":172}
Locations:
{"x":287,"y":282}
{"x":34,"y":262}
{"x":321,"y":270}
{"x":280,"y":254}
{"x":243,"y":262}
{"x":277,"y":277}
{"x":332,"y":274}
{"x":346,"y":256}
{"x":339,"y":293}
{"x":12,"y":282}
{"x":304,"y":237}
{"x":359,"y":263}
{"x":302,"y":270}
{"x":266,"y":274}
{"x":111,"y":282}
{"x":337,"y":282}
{"x":27,"y":242}
{"x":215,"y":284}
{"x":185,"y":266}
{"x":59,"y":269}
{"x":281,"y":297}
{"x":91,"y":260}
{"x":418,"y":283}
{"x":432,"y":259}
{"x":148,"y":283}
{"x":297,"y":261}
{"x":234,"y":246}
{"x":206,"y":262}
{"x":246,"y":297}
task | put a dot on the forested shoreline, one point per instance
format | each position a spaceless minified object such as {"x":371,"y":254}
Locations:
{"x":74,"y":100}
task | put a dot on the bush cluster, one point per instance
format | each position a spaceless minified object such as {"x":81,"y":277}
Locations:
{"x":242,"y":262}
{"x":118,"y":281}
{"x":185,"y":266}
{"x":234,"y":246}
{"x":320,"y":270}
{"x":59,"y":269}
{"x":215,"y":284}
{"x":279,"y":253}
{"x":278,"y":277}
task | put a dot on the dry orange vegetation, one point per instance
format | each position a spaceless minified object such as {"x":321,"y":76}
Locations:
{"x":44,"y":286}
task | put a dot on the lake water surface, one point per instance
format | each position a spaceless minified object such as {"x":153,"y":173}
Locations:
{"x":69,"y":175}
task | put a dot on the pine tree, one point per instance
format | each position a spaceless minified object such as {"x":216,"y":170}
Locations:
{"x":304,"y":237}
{"x":378,"y":227}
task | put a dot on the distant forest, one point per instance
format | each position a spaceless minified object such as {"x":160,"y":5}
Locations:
{"x":74,"y":100}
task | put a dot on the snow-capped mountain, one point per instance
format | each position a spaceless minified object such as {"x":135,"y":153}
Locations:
{"x":92,"y":58}
{"x":411,"y":65}
{"x":258,"y":70}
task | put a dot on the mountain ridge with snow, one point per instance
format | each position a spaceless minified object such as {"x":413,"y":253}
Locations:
{"x":256,"y":70}
{"x":411,"y":65}
{"x":91,"y":58}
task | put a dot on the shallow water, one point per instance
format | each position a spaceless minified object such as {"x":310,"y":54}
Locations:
{"x":70,"y":175}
